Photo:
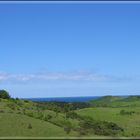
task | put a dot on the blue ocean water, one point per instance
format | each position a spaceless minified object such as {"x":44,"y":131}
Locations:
{"x":65,"y":99}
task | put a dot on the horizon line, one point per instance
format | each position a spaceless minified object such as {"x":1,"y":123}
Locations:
{"x":75,"y":96}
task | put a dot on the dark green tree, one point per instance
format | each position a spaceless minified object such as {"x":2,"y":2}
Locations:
{"x":4,"y":94}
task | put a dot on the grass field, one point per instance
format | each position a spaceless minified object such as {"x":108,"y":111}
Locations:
{"x":20,"y":118}
{"x":17,"y":125}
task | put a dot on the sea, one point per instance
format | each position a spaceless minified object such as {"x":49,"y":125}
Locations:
{"x":65,"y":99}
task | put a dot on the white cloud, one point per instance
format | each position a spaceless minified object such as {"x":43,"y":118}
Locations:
{"x":4,"y":76}
{"x":75,"y":76}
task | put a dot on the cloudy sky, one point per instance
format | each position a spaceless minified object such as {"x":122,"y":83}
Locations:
{"x":70,"y":49}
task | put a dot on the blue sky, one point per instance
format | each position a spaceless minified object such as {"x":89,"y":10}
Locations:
{"x":69,"y":49}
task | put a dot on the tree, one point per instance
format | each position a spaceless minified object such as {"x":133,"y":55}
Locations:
{"x":4,"y":94}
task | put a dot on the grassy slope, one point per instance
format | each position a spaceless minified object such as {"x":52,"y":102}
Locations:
{"x":14,"y":123}
{"x":130,"y":123}
{"x":17,"y":125}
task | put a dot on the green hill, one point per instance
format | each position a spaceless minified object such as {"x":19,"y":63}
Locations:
{"x":116,"y":101}
{"x":103,"y":101}
{"x":106,"y":116}
{"x":124,"y":111}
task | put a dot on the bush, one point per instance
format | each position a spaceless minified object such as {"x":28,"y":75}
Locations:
{"x":100,"y":127}
{"x":19,"y":103}
{"x":4,"y":94}
{"x":40,"y":115}
{"x":1,"y":111}
{"x":19,"y":113}
{"x":29,"y":126}
{"x":49,"y":117}
{"x":67,"y":130}
{"x":12,"y":106}
{"x":24,"y":111}
{"x":83,"y":132}
{"x":12,"y":100}
{"x":26,"y":101}
{"x":72,"y":115}
{"x":45,"y":118}
{"x":30,"y":114}
{"x":123,"y":112}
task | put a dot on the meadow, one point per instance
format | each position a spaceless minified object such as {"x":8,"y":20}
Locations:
{"x":105,"y":117}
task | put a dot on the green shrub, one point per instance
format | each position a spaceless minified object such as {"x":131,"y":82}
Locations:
{"x":40,"y":116}
{"x":11,"y":106}
{"x":1,"y":111}
{"x":29,"y":126}
{"x":100,"y":127}
{"x":123,"y":112}
{"x":67,"y":130}
{"x":48,"y":117}
{"x":19,"y":113}
{"x":72,"y":115}
{"x":26,"y":101}
{"x":24,"y":111}
{"x":17,"y":99}
{"x":82,"y":132}
{"x":19,"y":103}
{"x":12,"y":100}
{"x":45,"y":118}
{"x":30,"y":114}
{"x":66,"y":123}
